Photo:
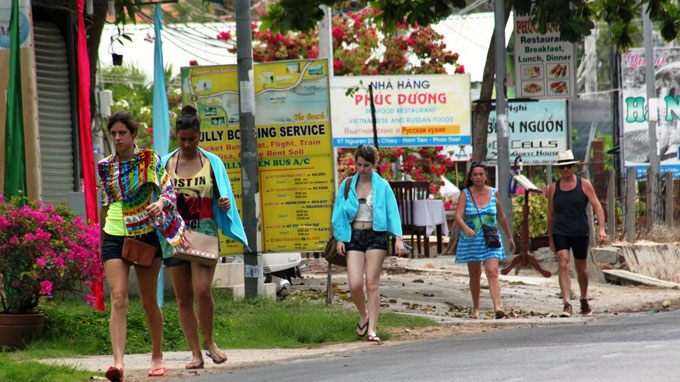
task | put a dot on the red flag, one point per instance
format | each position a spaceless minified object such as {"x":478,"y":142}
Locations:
{"x":86,"y":151}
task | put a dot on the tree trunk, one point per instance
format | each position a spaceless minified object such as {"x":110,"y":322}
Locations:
{"x":481,"y":121}
{"x":483,"y":107}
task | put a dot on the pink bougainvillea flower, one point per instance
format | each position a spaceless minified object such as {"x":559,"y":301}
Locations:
{"x":460,"y":70}
{"x":224,"y":36}
{"x":338,"y":32}
{"x":337,"y":64}
{"x":46,"y":288}
{"x":91,"y":300}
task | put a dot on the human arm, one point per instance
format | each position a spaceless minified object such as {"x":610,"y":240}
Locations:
{"x":156,"y":208}
{"x":458,"y":218}
{"x":103,"y":210}
{"x":224,"y":204}
{"x":551,"y":211}
{"x":599,"y":212}
{"x":340,"y":247}
{"x":399,"y":246}
{"x":341,"y":227}
{"x":500,"y":217}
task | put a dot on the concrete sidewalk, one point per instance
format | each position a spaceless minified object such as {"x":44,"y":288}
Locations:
{"x":137,"y":365}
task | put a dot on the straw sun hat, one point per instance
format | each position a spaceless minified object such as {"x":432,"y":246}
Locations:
{"x":565,"y":157}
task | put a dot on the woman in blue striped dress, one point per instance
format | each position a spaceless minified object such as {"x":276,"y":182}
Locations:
{"x":479,"y":204}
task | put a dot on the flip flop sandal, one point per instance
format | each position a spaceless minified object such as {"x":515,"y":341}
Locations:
{"x":216,"y":357}
{"x":114,"y":374}
{"x":375,"y":339}
{"x":193,"y":365}
{"x":158,"y":372}
{"x":362,"y":328}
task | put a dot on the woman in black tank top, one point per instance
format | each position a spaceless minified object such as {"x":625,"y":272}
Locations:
{"x":568,"y":227}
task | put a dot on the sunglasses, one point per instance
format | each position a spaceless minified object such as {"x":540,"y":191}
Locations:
{"x":565,"y":166}
{"x":477,"y":164}
{"x":368,"y":148}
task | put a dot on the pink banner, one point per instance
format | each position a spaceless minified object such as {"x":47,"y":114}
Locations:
{"x":86,"y":151}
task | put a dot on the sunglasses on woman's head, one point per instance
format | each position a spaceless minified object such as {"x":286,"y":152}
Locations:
{"x":368,"y":148}
{"x":477,"y":164}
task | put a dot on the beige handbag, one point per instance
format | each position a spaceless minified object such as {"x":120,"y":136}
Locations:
{"x":202,"y":249}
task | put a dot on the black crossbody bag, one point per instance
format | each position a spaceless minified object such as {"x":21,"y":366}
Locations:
{"x":491,"y":236}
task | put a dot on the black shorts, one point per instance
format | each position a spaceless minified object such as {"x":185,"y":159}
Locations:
{"x":577,"y":244}
{"x":367,"y":239}
{"x":173,"y":261}
{"x":112,"y":246}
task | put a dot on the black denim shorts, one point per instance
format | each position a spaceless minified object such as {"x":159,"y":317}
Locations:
{"x":173,"y":261}
{"x":367,"y":239}
{"x":112,"y":246}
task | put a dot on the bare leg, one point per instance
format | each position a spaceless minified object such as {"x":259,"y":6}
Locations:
{"x":117,"y":273}
{"x":356,"y":263}
{"x":182,"y":283}
{"x":491,"y":269}
{"x":564,"y":278}
{"x":147,"y":279}
{"x":202,"y":284}
{"x":374,"y":262}
{"x":582,"y":272}
{"x":475,"y":271}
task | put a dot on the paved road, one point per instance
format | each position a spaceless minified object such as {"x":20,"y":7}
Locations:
{"x":641,"y":347}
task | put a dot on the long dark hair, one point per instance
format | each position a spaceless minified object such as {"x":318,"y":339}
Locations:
{"x":468,"y":177}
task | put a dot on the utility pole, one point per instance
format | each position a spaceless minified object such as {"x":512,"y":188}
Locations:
{"x":252,"y":261}
{"x":502,"y":132}
{"x":326,"y":51}
{"x":652,"y":117}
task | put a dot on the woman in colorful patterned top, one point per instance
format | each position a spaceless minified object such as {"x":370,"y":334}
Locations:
{"x":206,"y":202}
{"x":479,"y":204}
{"x":137,"y":200}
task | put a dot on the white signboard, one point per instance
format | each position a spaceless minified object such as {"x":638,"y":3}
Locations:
{"x":410,"y":110}
{"x":538,"y":130}
{"x":667,"y":110}
{"x":544,"y":64}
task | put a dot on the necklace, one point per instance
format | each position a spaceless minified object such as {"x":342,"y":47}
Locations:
{"x":177,"y":160}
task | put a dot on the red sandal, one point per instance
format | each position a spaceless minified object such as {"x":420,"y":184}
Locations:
{"x":114,"y":374}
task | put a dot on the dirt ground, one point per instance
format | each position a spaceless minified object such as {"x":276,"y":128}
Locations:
{"x":437,"y":288}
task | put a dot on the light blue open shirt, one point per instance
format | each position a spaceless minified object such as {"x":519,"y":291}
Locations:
{"x":385,"y":209}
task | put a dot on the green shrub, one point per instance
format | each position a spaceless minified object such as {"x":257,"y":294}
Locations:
{"x":538,"y":214}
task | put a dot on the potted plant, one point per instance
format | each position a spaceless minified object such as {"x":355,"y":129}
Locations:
{"x":43,"y":249}
{"x":538,"y":218}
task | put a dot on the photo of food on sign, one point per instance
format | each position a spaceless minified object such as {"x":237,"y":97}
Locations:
{"x":559,"y":87}
{"x":532,"y":88}
{"x":558,"y":71}
{"x":529,"y":71}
